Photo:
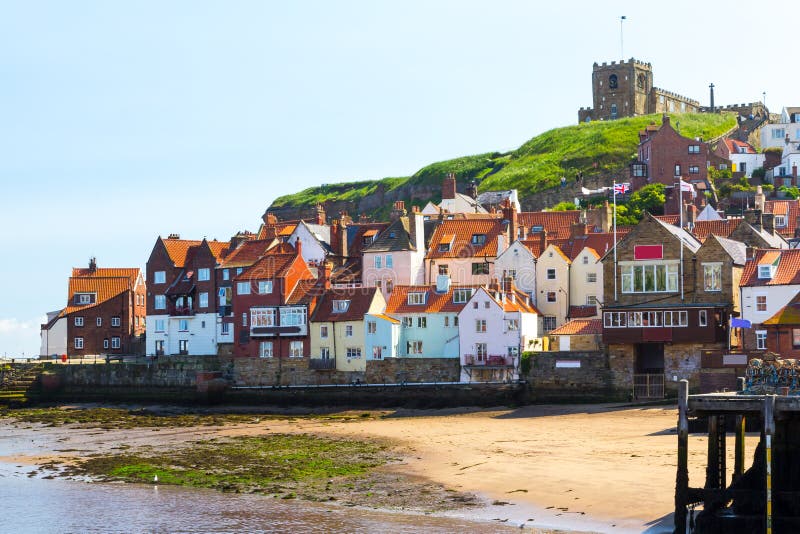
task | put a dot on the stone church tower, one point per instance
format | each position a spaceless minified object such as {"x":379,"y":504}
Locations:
{"x":625,"y":89}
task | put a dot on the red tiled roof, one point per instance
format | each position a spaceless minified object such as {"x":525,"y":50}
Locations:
{"x":105,"y":288}
{"x":723,"y":228}
{"x":734,"y":145}
{"x":219,"y":248}
{"x":600,"y":243}
{"x":579,"y":327}
{"x":462,"y":231}
{"x":247,"y":253}
{"x":787,"y":271}
{"x":788,"y":208}
{"x":360,"y":300}
{"x":269,"y":266}
{"x":557,"y":224}
{"x":179,"y":249}
{"x":107,"y":272}
{"x":434,"y":302}
{"x":520,"y":302}
{"x":304,"y":292}
{"x":271,"y":231}
{"x":582,"y":311}
{"x":669,"y":219}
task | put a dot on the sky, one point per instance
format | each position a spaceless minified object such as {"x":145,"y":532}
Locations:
{"x":123,"y":121}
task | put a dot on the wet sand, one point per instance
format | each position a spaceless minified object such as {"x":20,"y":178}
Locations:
{"x":602,"y":468}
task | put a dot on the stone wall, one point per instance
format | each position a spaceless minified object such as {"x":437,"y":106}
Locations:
{"x":594,"y":380}
{"x":164,"y":372}
{"x":281,"y":372}
{"x":400,"y":370}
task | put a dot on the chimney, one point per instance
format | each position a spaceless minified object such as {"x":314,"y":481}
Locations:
{"x":298,"y":246}
{"x":270,"y":219}
{"x":319,"y":214}
{"x":691,"y":215}
{"x":794,"y":171}
{"x":415,"y":209}
{"x":339,"y":239}
{"x":174,"y":236}
{"x":472,"y":189}
{"x":345,"y":218}
{"x":508,"y":285}
{"x":494,"y":285}
{"x":442,"y":283}
{"x":416,"y":227}
{"x":398,"y":211}
{"x":510,"y":215}
{"x":543,"y":239}
{"x":92,"y":264}
{"x":577,"y":230}
{"x":768,"y":221}
{"x":449,"y":186}
{"x":760,"y":198}
{"x":324,"y":273}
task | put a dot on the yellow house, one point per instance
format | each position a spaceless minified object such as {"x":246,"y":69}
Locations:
{"x":337,"y":328}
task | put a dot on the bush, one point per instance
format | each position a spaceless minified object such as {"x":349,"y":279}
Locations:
{"x":525,"y":363}
{"x":759,"y":173}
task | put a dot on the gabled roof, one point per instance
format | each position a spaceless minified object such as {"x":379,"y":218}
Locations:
{"x":304,"y":292}
{"x":461,"y":204}
{"x":271,"y":231}
{"x":735,"y":249}
{"x":358,"y":231}
{"x":691,"y":242}
{"x":269,"y":266}
{"x":788,"y":315}
{"x":105,"y":288}
{"x":739,"y":147}
{"x":557,"y":224}
{"x":708,"y":214}
{"x":600,"y":243}
{"x":359,"y":301}
{"x":434,"y":302}
{"x":107,"y":272}
{"x":179,"y":250}
{"x":787,"y":271}
{"x":463,"y":230}
{"x":720,"y":227}
{"x":396,"y":237}
{"x":579,"y":327}
{"x":248,"y":253}
{"x":787,"y":208}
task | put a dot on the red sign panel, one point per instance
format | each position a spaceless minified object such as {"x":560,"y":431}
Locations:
{"x":648,"y":252}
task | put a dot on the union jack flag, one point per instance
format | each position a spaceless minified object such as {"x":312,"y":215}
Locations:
{"x":621,"y":189}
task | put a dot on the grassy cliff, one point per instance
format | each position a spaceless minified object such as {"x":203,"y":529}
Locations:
{"x":594,"y":148}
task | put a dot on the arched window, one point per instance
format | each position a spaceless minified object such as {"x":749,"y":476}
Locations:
{"x":612,"y":81}
{"x":641,"y":81}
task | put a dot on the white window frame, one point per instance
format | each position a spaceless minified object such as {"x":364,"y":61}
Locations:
{"x":98,"y":321}
{"x":203,"y":274}
{"x":761,"y":339}
{"x":265,"y":349}
{"x":160,"y":277}
{"x":461,"y":295}
{"x":293,"y":316}
{"x":160,"y":324}
{"x":615,"y":320}
{"x":354,"y":353}
{"x":629,"y":271}
{"x":480,"y":326}
{"x":202,"y":299}
{"x":671,"y":316}
{"x":323,"y":331}
{"x":183,"y":325}
{"x":295,"y":349}
{"x":389,"y":261}
{"x":348,"y":330}
{"x":378,"y":261}
{"x":591,"y":278}
{"x":702,"y":318}
{"x":422,"y":322}
{"x":77,"y":342}
{"x":549,"y":320}
{"x":715,"y":272}
{"x":416,"y":298}
{"x":551,"y":273}
{"x":105,"y":343}
{"x":325,"y":353}
{"x":226,"y":274}
{"x":116,"y":321}
{"x":243,"y":288}
{"x":764,"y":297}
{"x":264,"y":287}
{"x":372,"y":327}
{"x":340,"y":306}
{"x":78,"y":321}
{"x":262,"y":317}
{"x":116,"y":342}
{"x":160,"y":302}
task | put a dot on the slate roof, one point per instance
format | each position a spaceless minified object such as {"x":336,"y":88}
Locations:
{"x":579,"y":327}
{"x":735,"y":249}
{"x":396,"y":237}
{"x":462,"y":232}
{"x":691,"y":242}
{"x":434,"y":302}
{"x":360,"y":300}
{"x":786,"y":273}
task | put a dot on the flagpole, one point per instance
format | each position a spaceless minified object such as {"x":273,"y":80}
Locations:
{"x":616,"y":273}
{"x":680,"y":207}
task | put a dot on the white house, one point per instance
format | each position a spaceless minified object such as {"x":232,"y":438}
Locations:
{"x":54,"y":335}
{"x":775,"y":135}
{"x":518,"y":263}
{"x":316,"y":240}
{"x":495,"y":326}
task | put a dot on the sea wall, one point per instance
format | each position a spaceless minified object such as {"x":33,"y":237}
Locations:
{"x":574,"y":377}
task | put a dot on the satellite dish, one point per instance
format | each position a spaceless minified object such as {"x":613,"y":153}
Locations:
{"x":577,"y":202}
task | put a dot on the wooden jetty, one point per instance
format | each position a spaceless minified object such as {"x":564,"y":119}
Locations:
{"x":762,"y":497}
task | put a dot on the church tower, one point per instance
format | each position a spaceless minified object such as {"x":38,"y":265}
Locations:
{"x":619,"y":90}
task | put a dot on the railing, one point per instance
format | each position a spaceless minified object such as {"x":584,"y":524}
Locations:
{"x":322,"y":364}
{"x":182,"y":311}
{"x":648,"y":386}
{"x":492,"y":360}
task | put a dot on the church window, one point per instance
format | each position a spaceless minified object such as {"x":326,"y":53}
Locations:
{"x":612,"y":81}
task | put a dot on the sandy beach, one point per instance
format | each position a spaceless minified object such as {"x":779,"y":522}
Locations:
{"x":601,"y":468}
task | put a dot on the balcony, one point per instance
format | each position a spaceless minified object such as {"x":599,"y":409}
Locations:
{"x":182,"y":311}
{"x":322,"y":364}
{"x":492,"y":360}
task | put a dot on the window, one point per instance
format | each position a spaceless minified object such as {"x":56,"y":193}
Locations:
{"x":422,"y":322}
{"x":649,"y":277}
{"x":378,"y":261}
{"x":694,"y":149}
{"x":115,"y":342}
{"x":340,"y":306}
{"x":115,"y":321}
{"x":183,"y":346}
{"x":159,"y":325}
{"x":677,"y":170}
{"x":676,"y":318}
{"x":377,"y":353}
{"x":778,"y":133}
{"x":444,"y":247}
{"x":613,"y":111}
{"x":639,"y":170}
{"x":183,"y":325}
{"x":743,"y":167}
{"x":239,"y":270}
{"x":591,"y":300}
{"x":226,"y":329}
{"x":551,"y":296}
{"x":612,"y":81}
{"x":204,"y":274}
{"x":551,"y":274}
{"x":765,"y":271}
{"x":408,"y":322}
{"x":325,"y":353}
{"x":513,"y":352}
{"x":481,"y":351}
{"x":265,"y":349}
{"x":293,"y":316}
{"x":389,"y":285}
{"x":486,"y":304}
{"x":591,"y":278}
{"x":478,"y":239}
{"x":761,"y":303}
{"x":416,"y":298}
{"x":372,"y":327}
{"x":243,"y":288}
{"x":723,"y":166}
{"x":512,"y":325}
{"x":244,"y":319}
{"x":105,"y":343}
{"x":455,"y":320}
{"x":480,"y":268}
{"x":99,"y":321}
{"x":378,"y":283}
{"x":203,"y":298}
{"x":694,"y":169}
{"x":446,"y":321}
{"x":796,"y":335}
{"x":460,"y":296}
{"x":510,"y":273}
{"x":323,"y":331}
{"x":414,"y":347}
{"x":261,"y":317}
{"x":702,"y":318}
{"x":78,"y":321}
{"x":77,"y":342}
{"x":296,"y":349}
{"x":348,"y":330}
{"x":585,"y":260}
{"x":548,"y":323}
{"x":614,"y":319}
{"x":644,"y":319}
{"x":354,"y":353}
{"x":264,"y":287}
{"x":226,"y":274}
{"x":480,"y":325}
{"x":444,"y":269}
{"x":389,"y":261}
{"x":780,"y":220}
{"x":712,"y":277}
{"x":475,"y":305}
{"x":159,"y":277}
{"x":761,"y":339}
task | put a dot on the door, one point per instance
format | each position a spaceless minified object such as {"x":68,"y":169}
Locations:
{"x":648,"y":371}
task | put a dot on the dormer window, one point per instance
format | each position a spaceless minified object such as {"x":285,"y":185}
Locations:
{"x":340,"y":306}
{"x":537,"y":228}
{"x":445,"y":243}
{"x":765,"y":271}
{"x":460,"y":296}
{"x":444,"y":247}
{"x":416,"y":298}
{"x":478,"y":239}
{"x":83,"y":298}
{"x":780,"y":221}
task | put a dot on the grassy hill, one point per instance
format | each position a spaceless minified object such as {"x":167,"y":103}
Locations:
{"x":595,"y":148}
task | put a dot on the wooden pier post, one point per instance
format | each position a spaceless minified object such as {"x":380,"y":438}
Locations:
{"x":769,"y":432}
{"x":739,"y":451}
{"x":715,"y":469}
{"x":682,"y":476}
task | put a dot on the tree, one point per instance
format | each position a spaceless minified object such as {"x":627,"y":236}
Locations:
{"x":649,"y":198}
{"x":564,"y":206}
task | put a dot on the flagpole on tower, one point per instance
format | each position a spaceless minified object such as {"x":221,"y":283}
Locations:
{"x":621,"y":48}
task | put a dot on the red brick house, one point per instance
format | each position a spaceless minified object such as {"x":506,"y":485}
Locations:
{"x":105,"y":312}
{"x":272,"y":301}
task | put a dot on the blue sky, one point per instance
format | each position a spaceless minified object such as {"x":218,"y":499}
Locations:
{"x":125,"y":121}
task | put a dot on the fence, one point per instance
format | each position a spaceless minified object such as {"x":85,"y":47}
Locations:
{"x":648,"y":386}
